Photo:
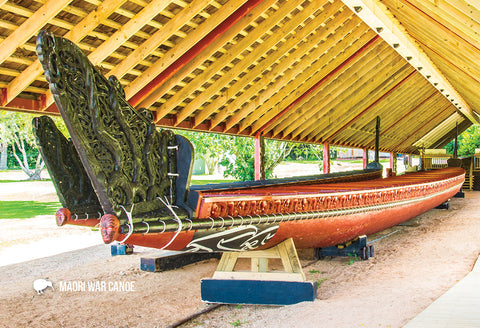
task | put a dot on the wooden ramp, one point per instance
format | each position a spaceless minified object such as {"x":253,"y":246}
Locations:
{"x":458,"y":307}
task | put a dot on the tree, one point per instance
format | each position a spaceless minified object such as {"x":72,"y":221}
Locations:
{"x":208,"y":146}
{"x":16,"y":132}
{"x":468,"y":141}
{"x":241,"y":163}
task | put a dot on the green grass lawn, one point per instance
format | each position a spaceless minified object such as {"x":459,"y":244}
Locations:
{"x":26,"y":209}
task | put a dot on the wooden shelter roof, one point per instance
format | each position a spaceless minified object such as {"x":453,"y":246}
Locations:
{"x":311,"y":71}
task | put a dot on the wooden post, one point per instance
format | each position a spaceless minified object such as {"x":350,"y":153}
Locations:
{"x":365,"y":158}
{"x":326,"y":158}
{"x":259,"y":157}
{"x":394,"y":162}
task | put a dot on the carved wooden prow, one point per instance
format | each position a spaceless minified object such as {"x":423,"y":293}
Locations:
{"x":132,"y":167}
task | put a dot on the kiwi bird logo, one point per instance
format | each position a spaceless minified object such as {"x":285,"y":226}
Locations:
{"x":41,"y":284}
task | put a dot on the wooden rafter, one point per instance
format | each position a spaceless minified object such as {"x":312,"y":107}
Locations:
{"x":30,"y":27}
{"x":379,"y":18}
{"x":76,"y":34}
{"x":151,"y":78}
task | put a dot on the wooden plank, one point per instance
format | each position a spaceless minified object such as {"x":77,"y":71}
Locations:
{"x":375,"y":90}
{"x":300,"y":83}
{"x":378,"y":17}
{"x":336,"y":88}
{"x":127,"y":30}
{"x":349,"y":89}
{"x":266,"y":276}
{"x":234,"y":53}
{"x":257,"y":292}
{"x":227,"y":261}
{"x":283,"y":54}
{"x":159,"y":37}
{"x":176,"y":52}
{"x":282,"y":73}
{"x":208,"y":52}
{"x":25,"y":31}
{"x":76,"y":34}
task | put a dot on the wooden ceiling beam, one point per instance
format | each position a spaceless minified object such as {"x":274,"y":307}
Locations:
{"x":397,"y":122}
{"x":348,"y":90}
{"x":233,"y":53}
{"x":449,"y":18}
{"x":301,"y":43}
{"x":425,"y":125}
{"x":380,"y":19}
{"x":449,"y":136}
{"x":305,"y":80}
{"x":143,"y":88}
{"x":355,"y":99}
{"x":159,"y":37}
{"x":307,"y":47}
{"x":76,"y":34}
{"x":329,"y":136}
{"x":127,"y":30}
{"x":207,"y":54}
{"x":281,"y":74}
{"x":306,"y":104}
{"x":427,"y":109}
{"x":30,"y":27}
{"x":390,"y":110}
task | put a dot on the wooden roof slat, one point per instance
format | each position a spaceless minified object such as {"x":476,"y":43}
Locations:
{"x":383,"y":21}
{"x":302,"y":83}
{"x":350,"y":107}
{"x":24,"y":32}
{"x":207,"y":53}
{"x":270,"y":97}
{"x":412,"y":118}
{"x":452,"y":19}
{"x":358,"y":80}
{"x":127,"y":30}
{"x":177,"y":51}
{"x":159,"y":37}
{"x":234,"y":52}
{"x":77,"y":33}
{"x":427,"y":125}
{"x":285,"y":61}
{"x":331,"y":90}
{"x":244,"y":64}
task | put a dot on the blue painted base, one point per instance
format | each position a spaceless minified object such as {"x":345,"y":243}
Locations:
{"x":121,"y":249}
{"x":257,"y":292}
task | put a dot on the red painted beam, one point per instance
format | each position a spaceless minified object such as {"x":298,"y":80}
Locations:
{"x":365,"y":158}
{"x":194,"y":51}
{"x":258,"y":158}
{"x":326,"y":158}
{"x":319,"y":83}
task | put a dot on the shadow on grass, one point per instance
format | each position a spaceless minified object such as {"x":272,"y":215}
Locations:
{"x":26,"y":209}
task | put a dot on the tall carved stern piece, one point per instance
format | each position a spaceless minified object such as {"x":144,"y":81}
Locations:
{"x":131,"y":165}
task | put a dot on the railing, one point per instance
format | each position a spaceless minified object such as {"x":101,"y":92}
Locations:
{"x":434,"y":161}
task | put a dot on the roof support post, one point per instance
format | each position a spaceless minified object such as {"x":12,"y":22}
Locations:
{"x":377,"y":141}
{"x":259,"y":157}
{"x":393,"y":162}
{"x":326,"y":158}
{"x":365,"y":158}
